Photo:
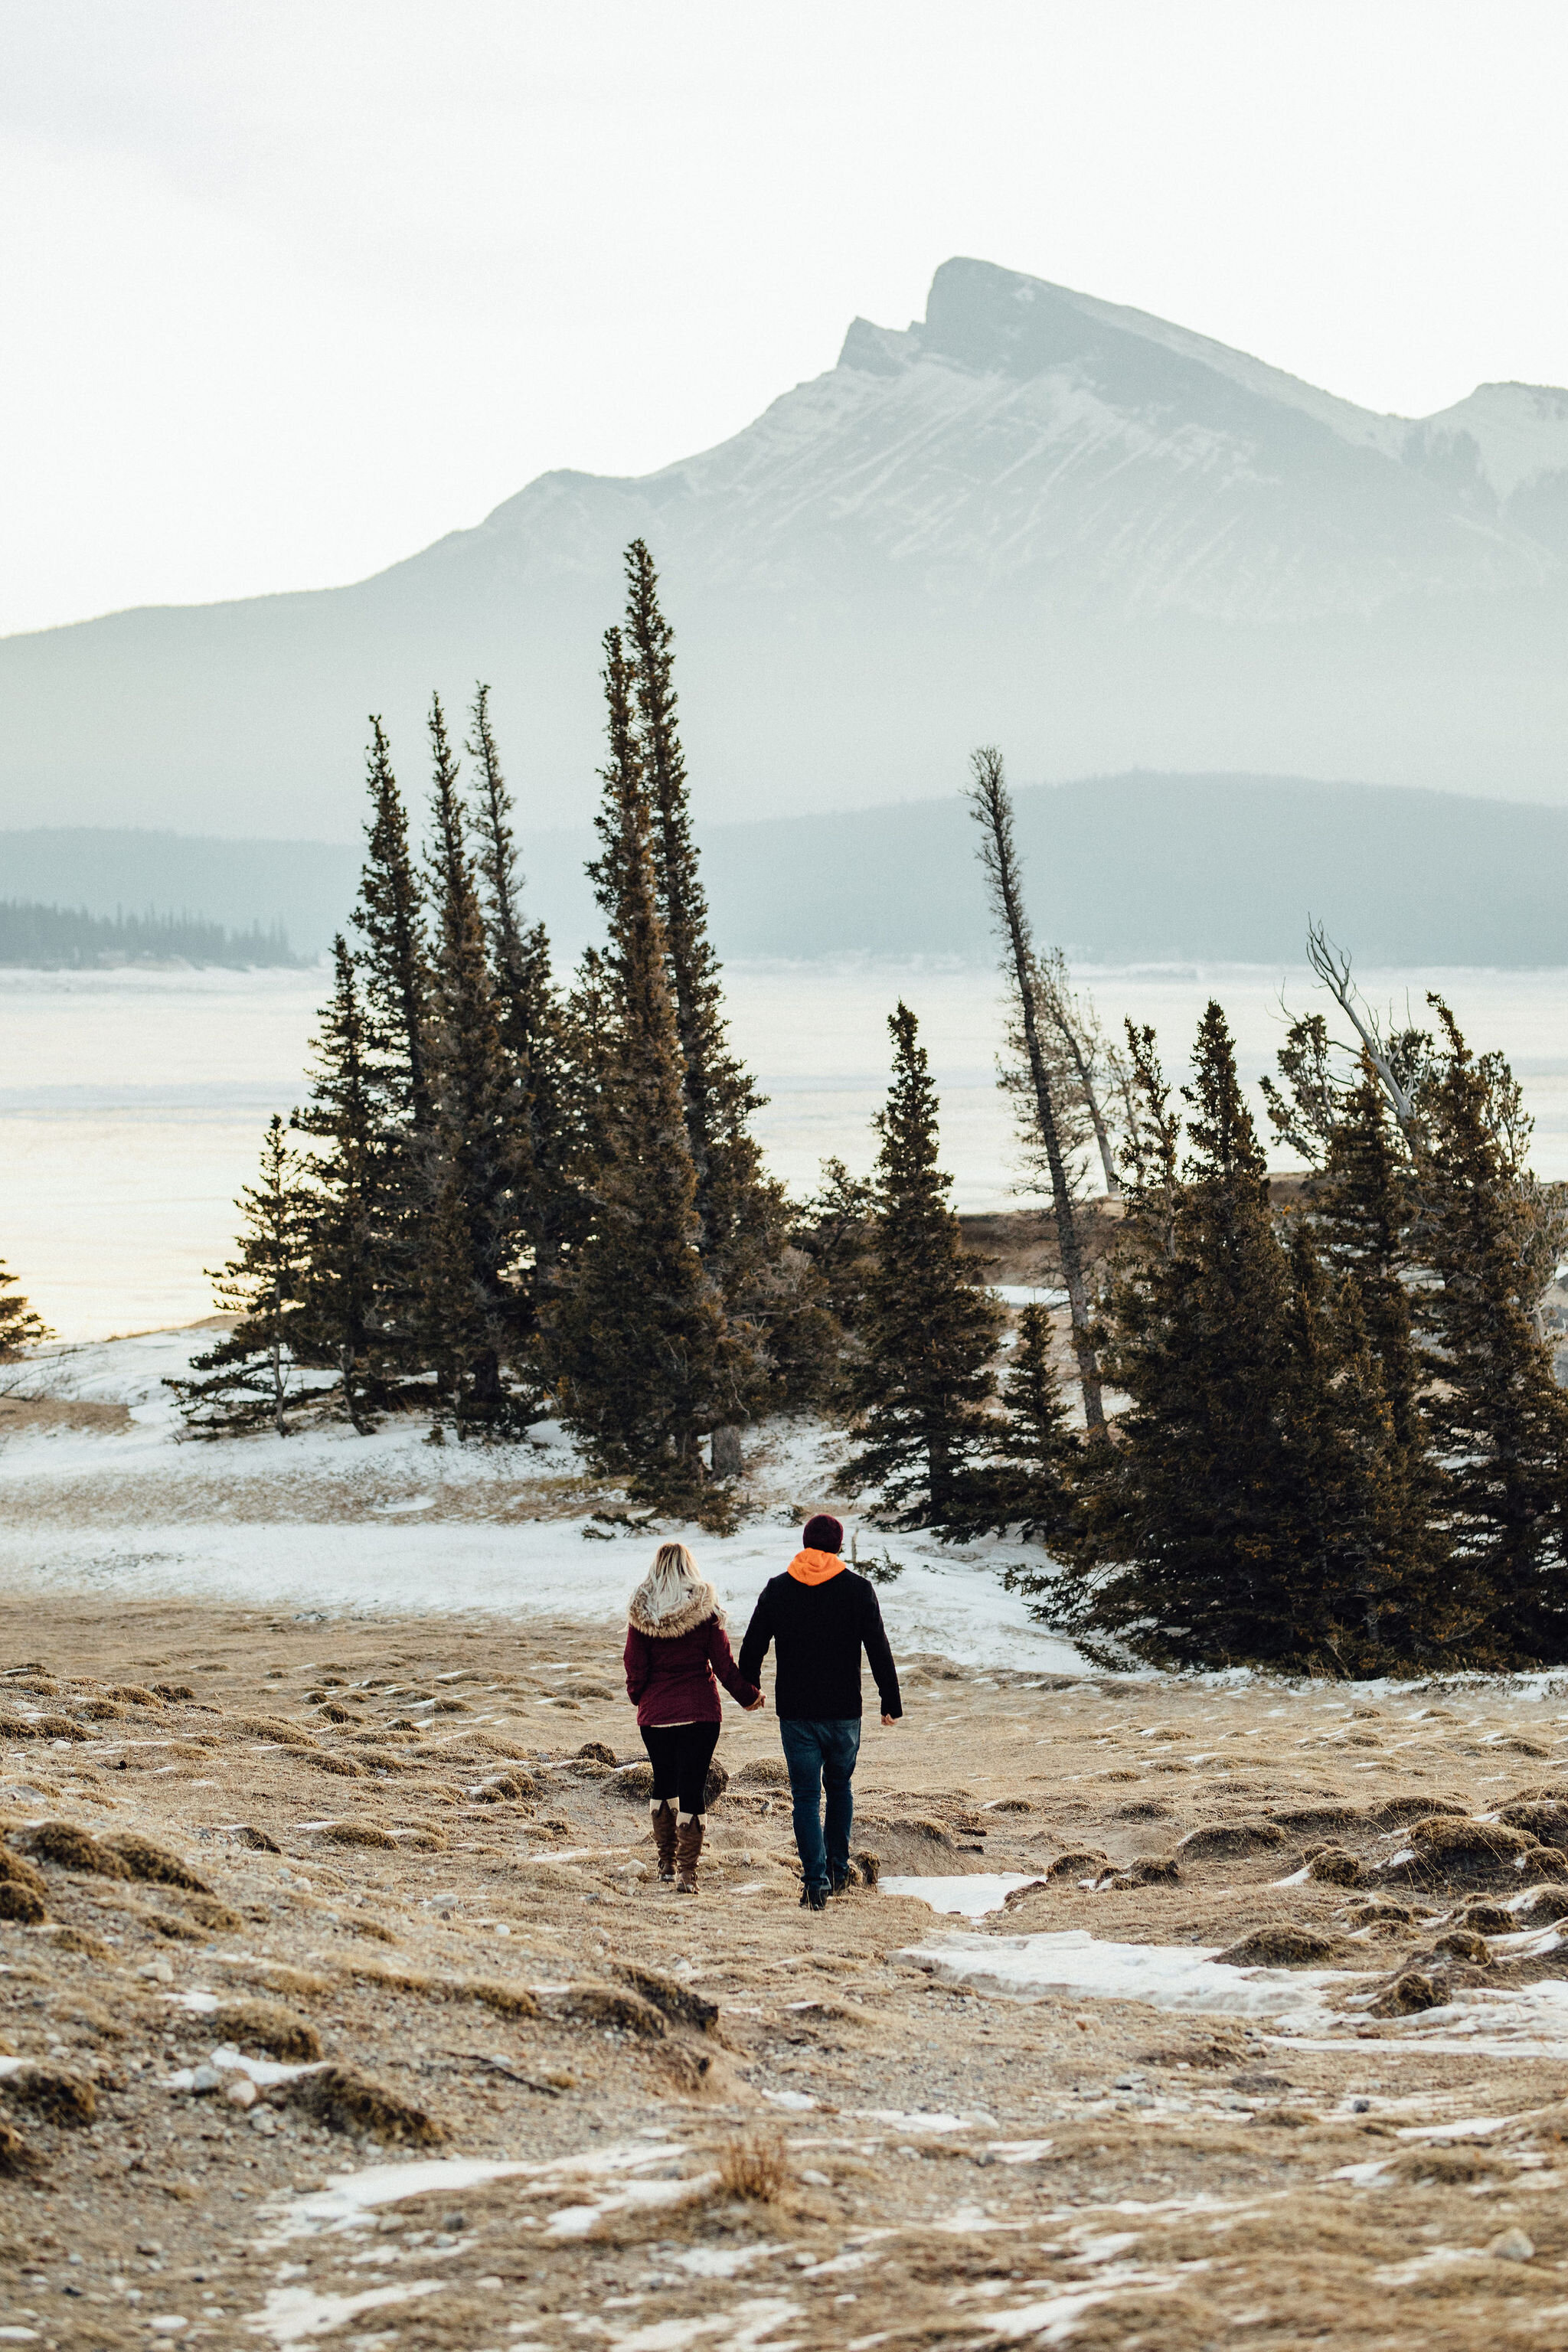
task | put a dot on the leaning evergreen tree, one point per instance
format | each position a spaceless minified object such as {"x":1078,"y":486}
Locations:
{"x":929,"y":1329}
{"x":20,"y":1325}
{"x":535,"y":1030}
{"x":348,"y":1275}
{"x":642,"y":1357}
{"x":741,"y":1212}
{"x":477,"y":1314}
{"x":393,"y":960}
{"x":248,"y":1381}
{"x":1045,"y":1103}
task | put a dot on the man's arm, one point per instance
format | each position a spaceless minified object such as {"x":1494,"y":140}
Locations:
{"x":879,"y":1658}
{"x":754,"y":1648}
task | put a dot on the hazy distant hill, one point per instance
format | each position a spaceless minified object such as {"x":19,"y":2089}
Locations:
{"x":1120,"y":868}
{"x":1033,"y":518}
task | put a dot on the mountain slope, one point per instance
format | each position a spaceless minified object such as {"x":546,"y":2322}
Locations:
{"x":1031,"y":516}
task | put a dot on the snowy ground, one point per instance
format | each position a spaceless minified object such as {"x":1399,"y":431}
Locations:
{"x":122,"y":1503}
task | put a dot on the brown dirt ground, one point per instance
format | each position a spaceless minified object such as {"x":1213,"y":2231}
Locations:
{"x":1110,"y":2176}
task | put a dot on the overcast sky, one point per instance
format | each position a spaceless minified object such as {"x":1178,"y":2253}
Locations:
{"x":291,"y":287}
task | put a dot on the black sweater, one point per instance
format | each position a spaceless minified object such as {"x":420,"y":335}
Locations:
{"x":820,"y":1630}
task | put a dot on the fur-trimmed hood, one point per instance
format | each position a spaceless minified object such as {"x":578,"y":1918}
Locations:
{"x":703,"y":1604}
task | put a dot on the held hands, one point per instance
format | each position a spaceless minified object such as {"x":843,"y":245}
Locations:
{"x":757,"y":1704}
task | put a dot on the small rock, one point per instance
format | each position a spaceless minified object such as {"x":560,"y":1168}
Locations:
{"x":817,"y":2179}
{"x":205,"y":2080}
{"x":264,"y":2121}
{"x":240,"y":2092}
{"x":1511,"y":2246}
{"x":158,"y":1970}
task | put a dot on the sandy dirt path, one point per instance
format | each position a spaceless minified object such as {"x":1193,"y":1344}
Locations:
{"x":547,"y":2102}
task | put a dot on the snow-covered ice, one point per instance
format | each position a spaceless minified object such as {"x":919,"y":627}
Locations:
{"x":326,"y":1520}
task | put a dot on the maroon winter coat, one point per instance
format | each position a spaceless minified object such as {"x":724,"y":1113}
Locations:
{"x":671,"y":1666}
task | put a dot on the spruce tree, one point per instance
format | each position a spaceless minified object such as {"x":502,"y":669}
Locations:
{"x":742,"y":1213}
{"x":1031,"y":1483}
{"x":1257,"y":1503}
{"x":1499,"y":1421}
{"x":344,"y":1310}
{"x":249,"y":1380}
{"x":393,"y":966}
{"x":475,"y":1311}
{"x":929,"y":1329}
{"x":643,"y":1360}
{"x":535,"y":1030}
{"x":20,"y":1325}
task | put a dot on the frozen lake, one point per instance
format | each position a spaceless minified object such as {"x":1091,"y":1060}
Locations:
{"x":132,"y":1103}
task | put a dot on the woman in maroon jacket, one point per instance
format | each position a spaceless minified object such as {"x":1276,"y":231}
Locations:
{"x":676,"y":1644}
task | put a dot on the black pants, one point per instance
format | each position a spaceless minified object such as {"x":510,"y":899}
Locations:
{"x":681,"y":1753}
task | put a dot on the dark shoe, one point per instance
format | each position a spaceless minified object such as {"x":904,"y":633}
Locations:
{"x":813,"y":1898}
{"x":664,"y":1837}
{"x":688,"y":1846}
{"x":838,"y":1882}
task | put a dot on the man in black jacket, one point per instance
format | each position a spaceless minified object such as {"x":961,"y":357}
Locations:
{"x":820,"y":1616}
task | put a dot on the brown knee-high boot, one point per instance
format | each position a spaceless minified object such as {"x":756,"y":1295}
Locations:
{"x":663,"y":1811}
{"x":688,"y":1846}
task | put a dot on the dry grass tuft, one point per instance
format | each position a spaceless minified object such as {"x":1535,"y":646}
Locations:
{"x":1282,"y":1945}
{"x":1406,"y":1995}
{"x":608,"y":2005}
{"x":16,"y":2157}
{"x":60,"y":2097}
{"x":153,"y":1863}
{"x":273,"y":1728}
{"x":22,"y":1903}
{"x":677,"y":2001}
{"x":70,"y":1848}
{"x":356,"y":1833}
{"x":1334,"y":1867}
{"x":1083,"y":1862}
{"x":1217,"y":1840}
{"x":263,"y":2025}
{"x":756,"y":2169}
{"x":506,"y":1999}
{"x":345,"y":2100}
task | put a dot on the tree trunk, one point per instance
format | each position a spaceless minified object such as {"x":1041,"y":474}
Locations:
{"x":724,"y":1450}
{"x":993,"y":810}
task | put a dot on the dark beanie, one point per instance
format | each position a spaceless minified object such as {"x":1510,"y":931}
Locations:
{"x":823,"y":1533}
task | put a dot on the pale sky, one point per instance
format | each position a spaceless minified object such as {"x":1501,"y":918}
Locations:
{"x":291,"y":287}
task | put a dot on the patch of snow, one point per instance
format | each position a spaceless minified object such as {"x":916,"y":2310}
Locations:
{"x":1177,"y":1977}
{"x":291,"y":2314}
{"x":972,"y":1898}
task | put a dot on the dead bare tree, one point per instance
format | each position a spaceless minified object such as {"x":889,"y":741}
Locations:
{"x":992,"y":807}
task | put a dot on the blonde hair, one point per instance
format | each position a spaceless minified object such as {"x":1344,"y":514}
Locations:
{"x":670,"y":1582}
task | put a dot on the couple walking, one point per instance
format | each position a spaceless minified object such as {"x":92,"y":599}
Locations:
{"x":818,"y":1616}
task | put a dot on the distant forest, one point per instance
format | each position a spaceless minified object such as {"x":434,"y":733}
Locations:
{"x":53,"y":939}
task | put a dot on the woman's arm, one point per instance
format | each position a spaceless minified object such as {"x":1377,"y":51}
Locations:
{"x":722,"y":1659}
{"x":637,"y":1665}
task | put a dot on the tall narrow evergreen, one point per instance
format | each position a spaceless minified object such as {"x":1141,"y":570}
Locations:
{"x":20,"y":1325}
{"x":394,"y":965}
{"x":643,"y":1359}
{"x":928,"y":1327}
{"x":742,"y":1215}
{"x":353,"y":1225}
{"x":1045,"y":1124}
{"x":477,"y":1314}
{"x":248,"y":1381}
{"x":1499,"y":1421}
{"x":534,"y":1028}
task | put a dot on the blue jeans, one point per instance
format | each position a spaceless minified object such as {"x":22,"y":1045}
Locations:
{"x":818,"y":1752}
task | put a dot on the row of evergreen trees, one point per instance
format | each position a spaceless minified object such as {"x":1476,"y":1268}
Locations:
{"x":1333,"y":1437}
{"x":506,"y":1198}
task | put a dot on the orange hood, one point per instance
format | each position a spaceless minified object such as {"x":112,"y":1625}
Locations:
{"x":816,"y":1566}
